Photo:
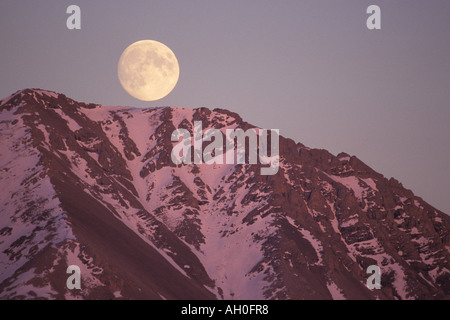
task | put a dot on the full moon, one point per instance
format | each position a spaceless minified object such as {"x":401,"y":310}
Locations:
{"x":148,"y":70}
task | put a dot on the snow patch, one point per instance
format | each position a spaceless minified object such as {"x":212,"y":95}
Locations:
{"x":336,"y":293}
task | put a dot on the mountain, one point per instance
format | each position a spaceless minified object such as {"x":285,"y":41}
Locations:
{"x":95,"y":186}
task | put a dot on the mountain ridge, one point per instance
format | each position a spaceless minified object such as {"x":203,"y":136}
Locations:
{"x":119,"y":207}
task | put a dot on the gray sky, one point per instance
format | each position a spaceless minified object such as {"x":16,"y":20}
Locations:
{"x":309,"y":68}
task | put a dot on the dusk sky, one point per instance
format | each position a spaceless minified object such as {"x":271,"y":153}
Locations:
{"x":309,"y":68}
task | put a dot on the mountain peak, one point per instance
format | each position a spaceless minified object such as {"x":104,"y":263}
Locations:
{"x":95,"y":186}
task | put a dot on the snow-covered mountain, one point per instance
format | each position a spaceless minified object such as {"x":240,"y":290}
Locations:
{"x":95,"y":186}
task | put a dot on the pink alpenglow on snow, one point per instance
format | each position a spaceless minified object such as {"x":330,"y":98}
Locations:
{"x":96,"y":187}
{"x":235,"y":153}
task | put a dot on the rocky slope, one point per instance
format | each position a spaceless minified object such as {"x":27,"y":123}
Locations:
{"x":94,"y":186}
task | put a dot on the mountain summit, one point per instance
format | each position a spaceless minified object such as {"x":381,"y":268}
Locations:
{"x":95,"y":186}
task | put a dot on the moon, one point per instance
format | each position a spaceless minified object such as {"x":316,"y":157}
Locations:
{"x":148,"y":70}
